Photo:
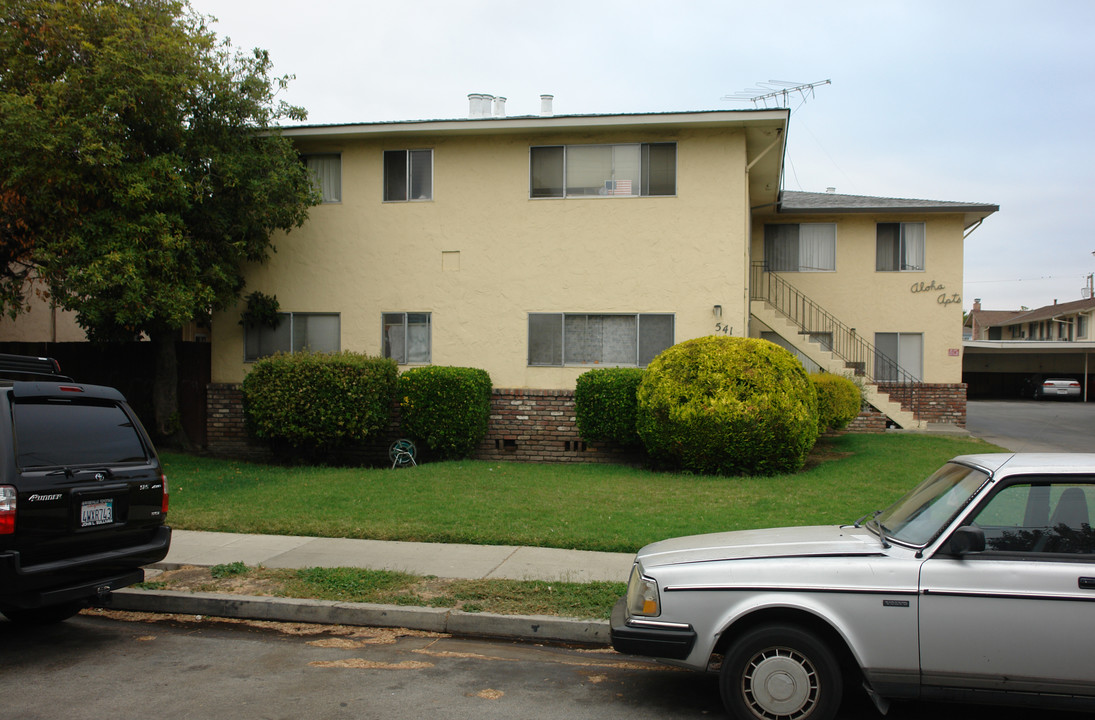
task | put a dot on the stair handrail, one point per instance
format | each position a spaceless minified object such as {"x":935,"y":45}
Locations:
{"x":812,"y":319}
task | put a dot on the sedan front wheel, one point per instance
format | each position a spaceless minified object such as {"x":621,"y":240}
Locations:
{"x":777,"y":672}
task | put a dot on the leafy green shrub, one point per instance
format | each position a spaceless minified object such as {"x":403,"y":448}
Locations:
{"x":838,"y":401}
{"x":605,"y":404}
{"x":731,"y":406}
{"x":447,"y":407}
{"x":319,"y":401}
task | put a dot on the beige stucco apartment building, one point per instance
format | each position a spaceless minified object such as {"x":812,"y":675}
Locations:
{"x":538,"y":247}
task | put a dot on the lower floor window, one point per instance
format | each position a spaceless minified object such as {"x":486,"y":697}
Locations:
{"x":295,"y":332}
{"x":407,"y":337}
{"x":899,"y":357}
{"x":583,"y":339}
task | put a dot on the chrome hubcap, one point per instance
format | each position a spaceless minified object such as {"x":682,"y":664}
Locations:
{"x":780,"y":684}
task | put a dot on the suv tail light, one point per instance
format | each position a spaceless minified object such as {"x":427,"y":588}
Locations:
{"x":7,"y":509}
{"x":163,"y":506}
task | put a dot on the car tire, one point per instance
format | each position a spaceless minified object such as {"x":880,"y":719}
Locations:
{"x":780,"y":672}
{"x":47,"y":615}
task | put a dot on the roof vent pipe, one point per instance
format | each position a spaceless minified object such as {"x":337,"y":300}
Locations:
{"x":830,"y":189}
{"x":499,"y":106}
{"x":479,"y":105}
{"x":545,"y":105}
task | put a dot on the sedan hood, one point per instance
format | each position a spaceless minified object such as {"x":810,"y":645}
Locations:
{"x":773,"y":542}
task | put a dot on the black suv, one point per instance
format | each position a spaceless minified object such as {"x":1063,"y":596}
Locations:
{"x":83,"y":497}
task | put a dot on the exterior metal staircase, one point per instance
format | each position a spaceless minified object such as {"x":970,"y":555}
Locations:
{"x":832,"y":345}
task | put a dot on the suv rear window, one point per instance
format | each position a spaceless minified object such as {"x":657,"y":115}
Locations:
{"x":49,"y":434}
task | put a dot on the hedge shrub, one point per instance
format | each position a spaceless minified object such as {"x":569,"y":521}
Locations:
{"x":838,"y":401}
{"x":729,"y":406}
{"x":319,"y":401}
{"x":605,"y":405}
{"x":446,"y":407}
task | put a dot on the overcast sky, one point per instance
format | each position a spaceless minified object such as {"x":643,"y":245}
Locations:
{"x":988,"y":102}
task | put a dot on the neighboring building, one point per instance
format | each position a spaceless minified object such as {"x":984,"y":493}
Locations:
{"x":1009,"y":352}
{"x":540,"y":247}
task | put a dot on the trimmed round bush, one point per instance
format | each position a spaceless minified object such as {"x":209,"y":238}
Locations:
{"x":727,"y":406}
{"x":319,"y":401}
{"x":838,"y":401}
{"x":605,"y":405}
{"x":446,"y":407}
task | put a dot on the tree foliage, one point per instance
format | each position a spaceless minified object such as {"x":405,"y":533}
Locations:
{"x":139,"y":170}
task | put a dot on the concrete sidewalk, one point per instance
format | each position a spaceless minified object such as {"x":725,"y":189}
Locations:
{"x":447,"y":561}
{"x":470,"y":562}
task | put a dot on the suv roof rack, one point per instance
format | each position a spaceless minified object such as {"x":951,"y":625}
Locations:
{"x":28,"y":365}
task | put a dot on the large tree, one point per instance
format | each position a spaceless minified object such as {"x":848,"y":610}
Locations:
{"x":140,"y":167}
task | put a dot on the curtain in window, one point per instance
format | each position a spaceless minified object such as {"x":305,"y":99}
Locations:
{"x":655,"y":335}
{"x":327,"y":174}
{"x":588,"y":168}
{"x":545,"y":339}
{"x":817,"y":247}
{"x":887,"y":246}
{"x":659,"y":169}
{"x":421,"y":175}
{"x":418,"y":337}
{"x":899,"y":350}
{"x":395,"y":175}
{"x":546,"y":172}
{"x":912,"y":243}
{"x":315,"y":332}
{"x":781,"y":248}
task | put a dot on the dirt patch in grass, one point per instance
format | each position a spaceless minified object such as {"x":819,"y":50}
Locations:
{"x":579,"y":600}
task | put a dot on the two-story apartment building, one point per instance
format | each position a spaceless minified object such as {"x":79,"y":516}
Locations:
{"x":540,"y":247}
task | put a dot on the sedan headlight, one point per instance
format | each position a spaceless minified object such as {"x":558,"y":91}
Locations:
{"x":642,"y":594}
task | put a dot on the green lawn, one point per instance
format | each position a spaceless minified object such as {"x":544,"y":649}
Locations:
{"x":582,"y":506}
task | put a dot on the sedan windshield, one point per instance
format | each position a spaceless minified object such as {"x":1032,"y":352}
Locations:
{"x":920,"y":516}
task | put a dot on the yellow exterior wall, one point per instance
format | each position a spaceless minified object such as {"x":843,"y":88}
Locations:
{"x":482,"y":255}
{"x":928,"y":302}
{"x":41,"y":323}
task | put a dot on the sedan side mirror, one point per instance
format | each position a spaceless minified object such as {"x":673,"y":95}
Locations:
{"x":966,"y":539}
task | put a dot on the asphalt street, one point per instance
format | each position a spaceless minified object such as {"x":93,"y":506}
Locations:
{"x":1034,"y":425}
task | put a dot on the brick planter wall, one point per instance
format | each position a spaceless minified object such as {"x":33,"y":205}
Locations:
{"x":525,"y":425}
{"x":536,"y":426}
{"x":539,"y":426}
{"x":931,"y":403}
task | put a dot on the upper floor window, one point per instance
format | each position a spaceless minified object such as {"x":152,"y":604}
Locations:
{"x":326,"y":172}
{"x":407,"y":337}
{"x":899,"y":246}
{"x":317,"y":332}
{"x":408,"y":175}
{"x":806,"y":247}
{"x":646,"y":169}
{"x":580,"y":339}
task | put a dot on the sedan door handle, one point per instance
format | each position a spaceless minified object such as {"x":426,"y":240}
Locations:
{"x":1087,"y":583}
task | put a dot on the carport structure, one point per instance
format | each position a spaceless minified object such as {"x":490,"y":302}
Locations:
{"x":1013,"y":368}
{"x":1008,"y":353}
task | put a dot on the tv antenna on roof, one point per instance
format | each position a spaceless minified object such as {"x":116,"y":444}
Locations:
{"x":778,"y":91}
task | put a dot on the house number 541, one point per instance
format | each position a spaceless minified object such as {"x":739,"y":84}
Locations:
{"x":723,"y":329}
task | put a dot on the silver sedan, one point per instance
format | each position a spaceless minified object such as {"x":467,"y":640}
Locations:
{"x":978,"y":585}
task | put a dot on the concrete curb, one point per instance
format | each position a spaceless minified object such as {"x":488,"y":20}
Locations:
{"x":543,"y":628}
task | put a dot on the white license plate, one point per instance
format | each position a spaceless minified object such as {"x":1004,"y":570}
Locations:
{"x":1062,"y":391}
{"x":96,"y":512}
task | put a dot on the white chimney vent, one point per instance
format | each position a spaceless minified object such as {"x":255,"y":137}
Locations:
{"x":499,"y":106}
{"x":479,"y":105}
{"x":830,"y":190}
{"x":545,"y":105}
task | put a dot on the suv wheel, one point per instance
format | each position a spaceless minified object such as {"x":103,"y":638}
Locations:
{"x":776,"y":672}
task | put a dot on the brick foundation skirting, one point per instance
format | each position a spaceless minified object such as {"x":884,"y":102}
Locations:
{"x":536,"y":426}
